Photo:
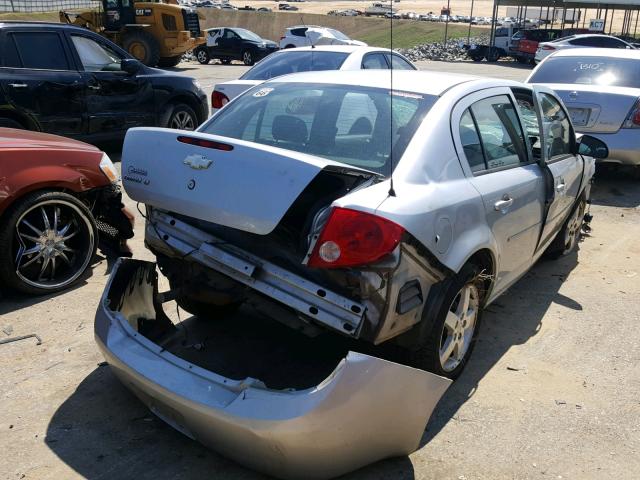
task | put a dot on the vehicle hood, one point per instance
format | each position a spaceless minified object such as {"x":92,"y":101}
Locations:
{"x":13,"y":138}
{"x":241,"y":185}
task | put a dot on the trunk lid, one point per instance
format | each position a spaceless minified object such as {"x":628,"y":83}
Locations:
{"x":596,"y":109}
{"x":248,"y":186}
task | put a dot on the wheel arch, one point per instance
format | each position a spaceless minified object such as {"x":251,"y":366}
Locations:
{"x":24,"y":120}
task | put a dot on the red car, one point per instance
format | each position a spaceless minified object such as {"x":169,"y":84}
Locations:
{"x":59,"y":198}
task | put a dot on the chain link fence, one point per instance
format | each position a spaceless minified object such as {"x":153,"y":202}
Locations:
{"x":35,"y":6}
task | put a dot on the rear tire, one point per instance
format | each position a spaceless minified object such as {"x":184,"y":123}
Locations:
{"x":143,"y":46}
{"x":183,"y":118}
{"x":168,"y":62}
{"x":202,"y":56}
{"x":447,"y":347}
{"x":38,"y":256}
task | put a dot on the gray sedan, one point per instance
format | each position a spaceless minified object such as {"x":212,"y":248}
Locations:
{"x":338,"y":205}
{"x":601,"y":88}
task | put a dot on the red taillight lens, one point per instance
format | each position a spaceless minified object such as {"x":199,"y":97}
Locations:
{"x":548,"y":47}
{"x":352,"y":238}
{"x":633,"y":119}
{"x":201,"y":142}
{"x":218,"y":99}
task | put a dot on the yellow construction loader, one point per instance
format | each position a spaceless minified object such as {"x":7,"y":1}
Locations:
{"x":157,"y":33}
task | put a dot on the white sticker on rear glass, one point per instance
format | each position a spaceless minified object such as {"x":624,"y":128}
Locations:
{"x":263,"y":92}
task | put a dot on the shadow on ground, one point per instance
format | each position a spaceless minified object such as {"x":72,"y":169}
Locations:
{"x":616,"y":186}
{"x":103,"y":431}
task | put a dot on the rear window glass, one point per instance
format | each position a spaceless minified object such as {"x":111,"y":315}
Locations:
{"x":618,"y":72}
{"x":284,"y":63}
{"x":348,"y":124}
{"x":41,"y":50}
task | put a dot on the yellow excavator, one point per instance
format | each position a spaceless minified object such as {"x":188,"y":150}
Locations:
{"x":157,"y":33}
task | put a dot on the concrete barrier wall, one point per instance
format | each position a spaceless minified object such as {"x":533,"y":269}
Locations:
{"x":271,"y":25}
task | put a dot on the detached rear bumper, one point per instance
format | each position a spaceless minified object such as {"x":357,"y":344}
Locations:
{"x":366,"y":410}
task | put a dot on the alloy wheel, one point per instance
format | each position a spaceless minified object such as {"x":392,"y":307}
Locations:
{"x":202,"y":56}
{"x":182,"y":120}
{"x":574,"y":226}
{"x":55,"y":243}
{"x":246,"y":58}
{"x":459,"y":327}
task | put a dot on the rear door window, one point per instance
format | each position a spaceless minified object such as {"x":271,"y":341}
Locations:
{"x":500,"y":133}
{"x":40,"y":50}
{"x":374,"y":61}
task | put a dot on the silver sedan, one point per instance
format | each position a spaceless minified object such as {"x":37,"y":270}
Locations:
{"x":346,"y":205}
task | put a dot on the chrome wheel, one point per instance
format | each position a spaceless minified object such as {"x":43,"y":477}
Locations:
{"x":182,"y":120}
{"x":202,"y":56}
{"x":55,"y":243}
{"x":459,"y":327}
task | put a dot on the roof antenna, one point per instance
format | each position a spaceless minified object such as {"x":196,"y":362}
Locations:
{"x":392,"y":192}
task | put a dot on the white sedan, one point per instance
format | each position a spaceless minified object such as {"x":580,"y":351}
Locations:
{"x":592,"y":40}
{"x":305,"y":59}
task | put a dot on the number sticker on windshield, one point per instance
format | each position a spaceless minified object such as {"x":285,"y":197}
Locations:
{"x":263,"y":92}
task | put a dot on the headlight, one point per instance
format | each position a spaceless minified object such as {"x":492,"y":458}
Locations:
{"x":108,"y":168}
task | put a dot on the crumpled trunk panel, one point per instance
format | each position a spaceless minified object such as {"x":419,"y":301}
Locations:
{"x":367,"y":409}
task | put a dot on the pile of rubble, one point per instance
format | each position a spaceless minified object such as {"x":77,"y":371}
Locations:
{"x":451,"y":51}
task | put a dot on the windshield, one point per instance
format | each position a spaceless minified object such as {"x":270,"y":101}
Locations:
{"x":605,"y":71}
{"x":247,"y":34}
{"x":349,"y":124}
{"x":338,"y":34}
{"x":283,"y":63}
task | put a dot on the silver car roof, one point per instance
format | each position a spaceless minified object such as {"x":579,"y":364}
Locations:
{"x":429,"y":83}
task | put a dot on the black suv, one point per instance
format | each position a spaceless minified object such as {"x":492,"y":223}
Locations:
{"x":69,"y":81}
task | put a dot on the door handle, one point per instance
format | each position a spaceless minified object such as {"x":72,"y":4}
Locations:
{"x":506,"y":202}
{"x":561,"y":187}
{"x":94,"y":87}
{"x":18,"y":85}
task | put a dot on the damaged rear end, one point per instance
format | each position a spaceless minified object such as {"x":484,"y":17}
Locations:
{"x":314,"y":412}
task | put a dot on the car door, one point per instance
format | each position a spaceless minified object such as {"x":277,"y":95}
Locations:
{"x":40,"y":80}
{"x":496,"y":158}
{"x":229,"y":44}
{"x":116,"y":100}
{"x":557,"y":147}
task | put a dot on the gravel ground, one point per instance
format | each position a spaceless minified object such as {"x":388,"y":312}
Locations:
{"x":551,"y":391}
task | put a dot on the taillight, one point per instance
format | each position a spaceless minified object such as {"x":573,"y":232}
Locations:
{"x":633,"y":119}
{"x":218,"y":99}
{"x":548,"y":47}
{"x":352,"y":238}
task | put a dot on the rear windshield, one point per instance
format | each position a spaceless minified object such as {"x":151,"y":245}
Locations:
{"x":284,"y":63}
{"x":618,"y":72}
{"x":348,"y":124}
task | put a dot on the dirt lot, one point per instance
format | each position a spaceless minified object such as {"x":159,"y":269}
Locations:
{"x":552,"y":390}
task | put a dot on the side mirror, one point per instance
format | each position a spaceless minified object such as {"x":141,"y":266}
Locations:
{"x":130,"y":65}
{"x":592,"y":147}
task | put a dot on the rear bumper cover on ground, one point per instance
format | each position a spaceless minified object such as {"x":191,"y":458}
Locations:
{"x":366,"y":410}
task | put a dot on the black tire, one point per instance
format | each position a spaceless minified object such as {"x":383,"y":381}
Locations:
{"x":247,"y":58}
{"x":202,"y":56}
{"x":19,"y":267}
{"x":569,"y":236}
{"x":493,"y":55}
{"x":522,"y":60}
{"x":443,"y":298}
{"x":143,"y":46}
{"x":10,"y":123}
{"x":182,"y":117}
{"x":168,"y":62}
{"x":476,"y":59}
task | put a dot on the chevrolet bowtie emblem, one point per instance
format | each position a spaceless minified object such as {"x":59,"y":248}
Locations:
{"x":197,"y":162}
